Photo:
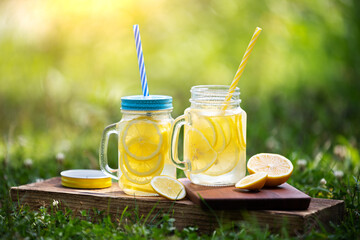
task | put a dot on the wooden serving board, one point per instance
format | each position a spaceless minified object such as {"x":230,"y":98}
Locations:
{"x":113,"y":201}
{"x":283,"y":197}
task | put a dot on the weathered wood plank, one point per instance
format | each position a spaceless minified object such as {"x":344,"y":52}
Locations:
{"x":113,"y":201}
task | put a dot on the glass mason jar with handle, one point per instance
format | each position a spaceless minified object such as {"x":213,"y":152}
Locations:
{"x":143,"y":143}
{"x":214,"y":151}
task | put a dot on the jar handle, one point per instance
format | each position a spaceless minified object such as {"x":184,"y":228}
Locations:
{"x":178,"y":123}
{"x":103,"y":159}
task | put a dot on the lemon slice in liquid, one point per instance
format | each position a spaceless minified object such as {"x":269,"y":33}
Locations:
{"x":134,"y":178}
{"x":225,"y":161}
{"x":204,"y":125}
{"x":143,"y":168}
{"x":142,"y":139}
{"x":220,"y":142}
{"x":241,"y":121}
{"x":198,"y":153}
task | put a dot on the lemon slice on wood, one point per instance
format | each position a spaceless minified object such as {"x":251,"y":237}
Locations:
{"x":278,"y":167}
{"x":254,"y":181}
{"x":168,"y":187}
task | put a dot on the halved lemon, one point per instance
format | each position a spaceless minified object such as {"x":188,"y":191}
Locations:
{"x":143,"y":167}
{"x":254,"y":181}
{"x":168,"y":187}
{"x":198,"y":153}
{"x":225,"y":161}
{"x":142,"y":139}
{"x":278,"y":167}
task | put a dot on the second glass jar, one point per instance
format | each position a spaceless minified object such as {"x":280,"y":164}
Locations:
{"x":214,"y":145}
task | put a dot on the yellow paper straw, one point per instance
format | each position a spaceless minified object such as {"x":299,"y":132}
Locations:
{"x":241,"y":67}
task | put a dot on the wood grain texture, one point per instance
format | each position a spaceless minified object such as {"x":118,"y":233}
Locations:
{"x":113,"y":202}
{"x":283,"y":197}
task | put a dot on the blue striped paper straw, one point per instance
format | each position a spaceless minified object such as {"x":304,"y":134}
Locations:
{"x":141,"y":62}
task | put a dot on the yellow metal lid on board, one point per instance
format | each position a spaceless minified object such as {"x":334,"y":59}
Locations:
{"x":85,"y":178}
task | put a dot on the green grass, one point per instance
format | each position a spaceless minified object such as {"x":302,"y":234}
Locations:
{"x":17,"y":221}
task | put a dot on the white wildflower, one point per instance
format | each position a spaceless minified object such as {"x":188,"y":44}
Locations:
{"x":22,"y":140}
{"x":38,"y":180}
{"x":327,"y":145}
{"x":302,"y":164}
{"x":55,"y":203}
{"x":323,"y":182}
{"x":28,"y":162}
{"x":272,"y":143}
{"x":60,"y":157}
{"x":319,"y":156}
{"x":338,"y":174}
{"x":64,"y":145}
{"x":340,"y":151}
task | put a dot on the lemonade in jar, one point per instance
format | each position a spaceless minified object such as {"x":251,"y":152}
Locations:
{"x":143,"y":143}
{"x":214,"y":151}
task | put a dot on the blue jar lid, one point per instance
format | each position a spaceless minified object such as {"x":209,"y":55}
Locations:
{"x":148,"y":103}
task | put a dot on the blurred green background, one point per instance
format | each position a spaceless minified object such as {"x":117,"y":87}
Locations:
{"x":64,"y":65}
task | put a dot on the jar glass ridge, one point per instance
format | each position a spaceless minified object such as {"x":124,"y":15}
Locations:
{"x":213,"y":95}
